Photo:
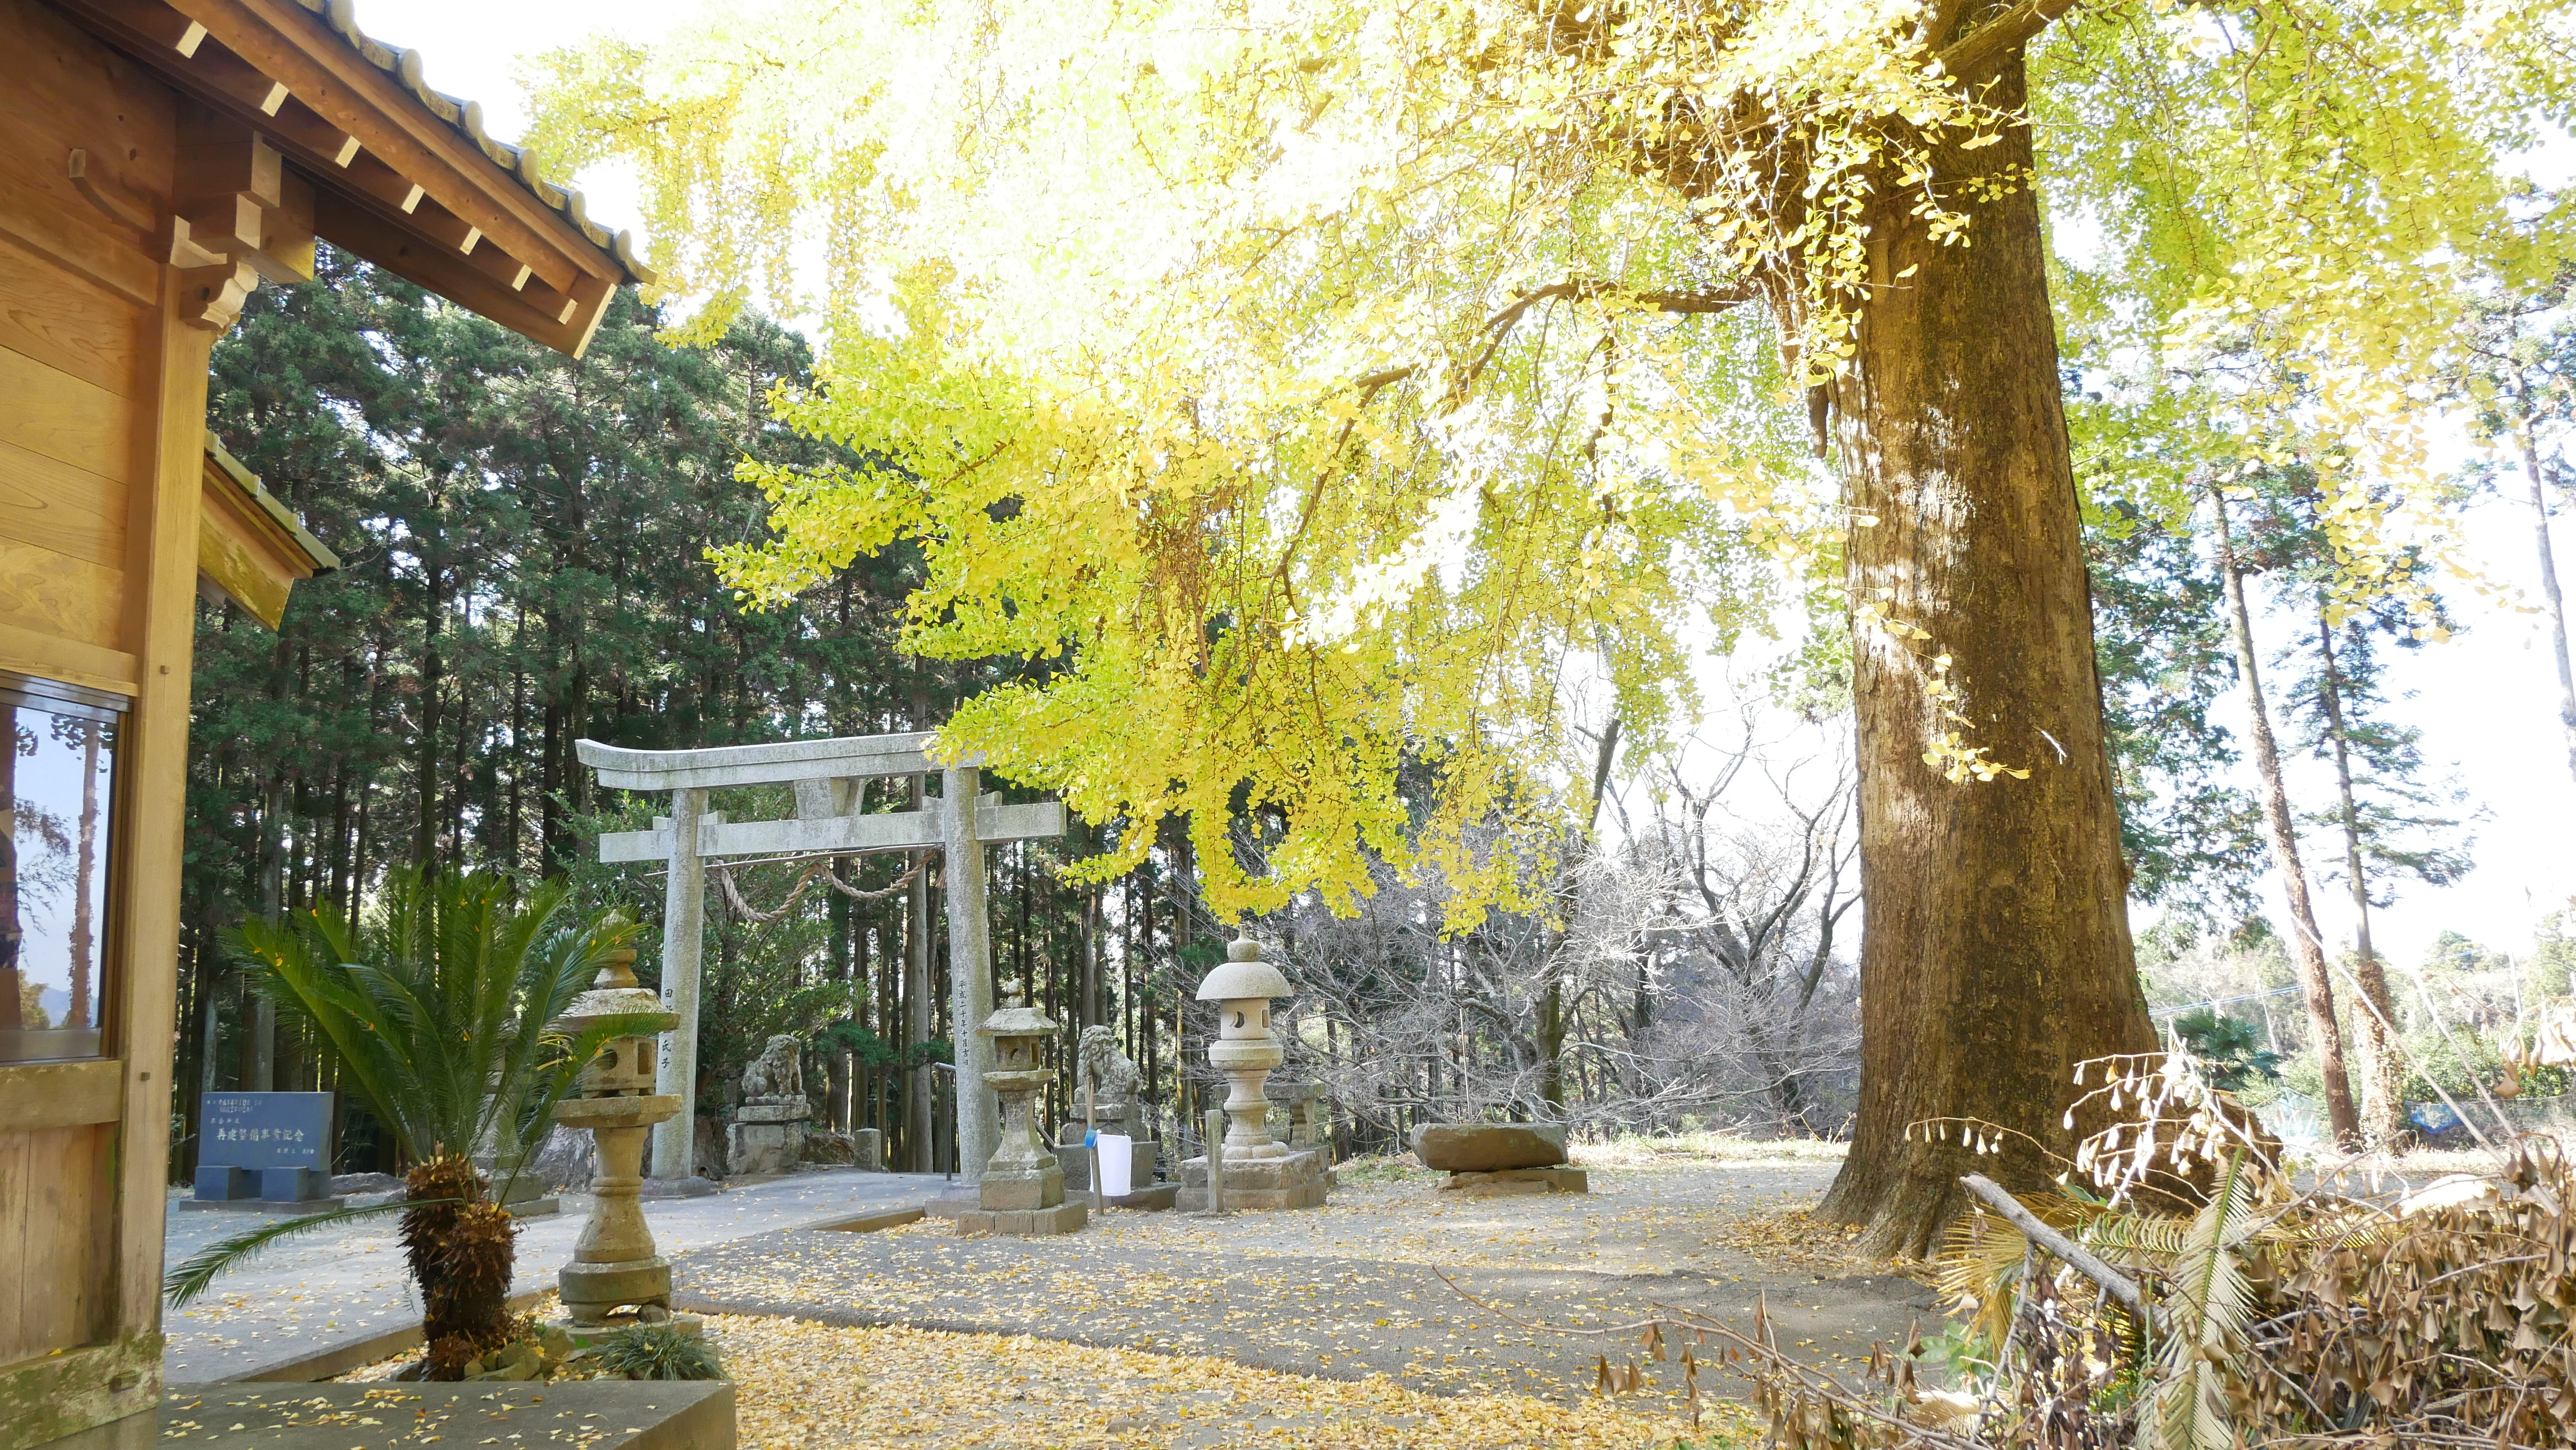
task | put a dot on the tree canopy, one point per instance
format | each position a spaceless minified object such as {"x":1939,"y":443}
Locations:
{"x":1321,"y":379}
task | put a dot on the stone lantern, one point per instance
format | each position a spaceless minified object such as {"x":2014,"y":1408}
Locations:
{"x":614,"y":1265}
{"x":1022,"y":1190}
{"x":1260,"y":1171}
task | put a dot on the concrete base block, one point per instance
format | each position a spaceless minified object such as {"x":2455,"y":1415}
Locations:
{"x":1009,"y":1192}
{"x":1259,"y":1185}
{"x":1027,"y":1223}
{"x":1510,"y":1181}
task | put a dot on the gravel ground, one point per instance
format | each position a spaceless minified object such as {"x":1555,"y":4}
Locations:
{"x":1357,"y":1289}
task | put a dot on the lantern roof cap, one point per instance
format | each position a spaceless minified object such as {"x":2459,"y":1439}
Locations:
{"x":1017,"y":1022}
{"x":1243,"y":975}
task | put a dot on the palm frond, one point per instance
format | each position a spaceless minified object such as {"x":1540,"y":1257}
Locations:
{"x":2208,"y":1311}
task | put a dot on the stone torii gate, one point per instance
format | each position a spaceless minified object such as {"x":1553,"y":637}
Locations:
{"x":827,"y":775}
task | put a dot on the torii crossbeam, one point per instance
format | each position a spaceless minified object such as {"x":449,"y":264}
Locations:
{"x":827,"y":775}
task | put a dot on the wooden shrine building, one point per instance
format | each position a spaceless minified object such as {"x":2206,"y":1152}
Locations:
{"x":159,"y":160}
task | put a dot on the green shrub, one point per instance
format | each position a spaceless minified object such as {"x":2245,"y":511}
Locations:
{"x":2232,"y":1050}
{"x":2460,"y":1059}
{"x":658,"y":1352}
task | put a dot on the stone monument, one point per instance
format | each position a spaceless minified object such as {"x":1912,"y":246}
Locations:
{"x":617,"y":1276}
{"x":1260,"y":1172}
{"x":1117,"y":1106}
{"x":265,"y":1151}
{"x":1492,"y":1159}
{"x":768,"y":1130}
{"x":1022,"y":1189}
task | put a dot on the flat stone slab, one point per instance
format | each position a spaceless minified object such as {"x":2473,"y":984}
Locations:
{"x":589,"y":1414}
{"x":1152,"y":1199}
{"x":1517,"y":1180}
{"x":955,"y":1199}
{"x":1489,"y":1147}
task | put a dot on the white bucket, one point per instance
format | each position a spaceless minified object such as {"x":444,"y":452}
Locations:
{"x":1117,"y":1163}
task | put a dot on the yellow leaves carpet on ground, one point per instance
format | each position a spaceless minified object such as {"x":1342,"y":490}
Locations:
{"x":807,"y":1385}
{"x":1796,"y":1236}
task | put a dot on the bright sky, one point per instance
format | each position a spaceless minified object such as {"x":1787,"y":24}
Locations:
{"x":2486,"y":701}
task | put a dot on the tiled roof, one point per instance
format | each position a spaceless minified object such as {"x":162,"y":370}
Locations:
{"x":467,"y":116}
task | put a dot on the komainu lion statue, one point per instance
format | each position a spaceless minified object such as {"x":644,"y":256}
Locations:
{"x":776,"y":1074}
{"x":1102,"y":1067}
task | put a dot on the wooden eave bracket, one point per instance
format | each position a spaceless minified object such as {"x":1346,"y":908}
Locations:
{"x":390,"y":170}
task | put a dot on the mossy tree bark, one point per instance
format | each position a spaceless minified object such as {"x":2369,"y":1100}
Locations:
{"x":1995,"y":950}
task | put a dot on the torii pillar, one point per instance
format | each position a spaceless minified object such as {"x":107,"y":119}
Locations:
{"x":959,"y":825}
{"x":970,"y":971}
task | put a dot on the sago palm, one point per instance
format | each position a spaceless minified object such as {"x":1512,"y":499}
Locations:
{"x":441,"y":1011}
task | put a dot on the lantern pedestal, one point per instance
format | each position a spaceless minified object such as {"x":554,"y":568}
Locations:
{"x":614,"y":1263}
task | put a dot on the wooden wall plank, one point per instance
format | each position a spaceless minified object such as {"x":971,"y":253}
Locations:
{"x":14,"y":1150}
{"x":83,"y":244}
{"x":34,"y":652}
{"x":68,"y":510}
{"x":55,"y":1205}
{"x":58,"y":594}
{"x":60,"y":1094}
{"x":68,"y":323}
{"x":47,"y":411}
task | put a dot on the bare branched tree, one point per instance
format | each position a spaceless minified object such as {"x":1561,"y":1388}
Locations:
{"x":1691,"y":975}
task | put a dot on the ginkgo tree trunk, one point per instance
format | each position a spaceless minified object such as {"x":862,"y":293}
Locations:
{"x":1995,"y":951}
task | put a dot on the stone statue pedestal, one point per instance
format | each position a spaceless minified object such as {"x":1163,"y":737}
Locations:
{"x":767,"y":1136}
{"x":1144,"y":1154}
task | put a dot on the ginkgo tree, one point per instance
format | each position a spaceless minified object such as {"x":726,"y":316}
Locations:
{"x":1321,"y":394}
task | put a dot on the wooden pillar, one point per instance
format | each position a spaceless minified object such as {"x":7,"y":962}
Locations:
{"x":684,"y":912}
{"x":970,"y":972}
{"x":162,"y":544}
